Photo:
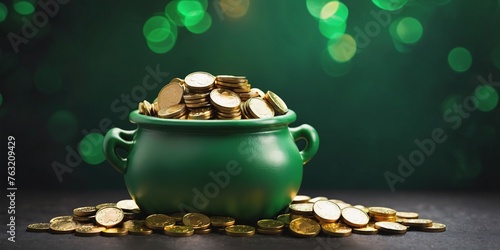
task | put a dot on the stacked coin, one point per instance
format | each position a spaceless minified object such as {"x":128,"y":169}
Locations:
{"x":382,"y":214}
{"x":206,"y":97}
{"x":227,"y":104}
{"x":308,"y":217}
{"x":199,"y":82}
{"x":270,"y":226}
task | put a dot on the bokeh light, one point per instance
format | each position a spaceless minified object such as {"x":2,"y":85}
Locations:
{"x":191,"y":12}
{"x":315,"y":7}
{"x":409,"y":30}
{"x":24,"y":7}
{"x":334,"y":8}
{"x":91,"y":148}
{"x":160,"y":33}
{"x":164,"y":46}
{"x":234,"y":8}
{"x":390,"y":4}
{"x":487,"y":97}
{"x":62,"y":126}
{"x":48,"y":79}
{"x":202,"y":26}
{"x":172,"y":13}
{"x":495,"y":56}
{"x":156,"y":29}
{"x":332,"y":27}
{"x":332,"y":67}
{"x":342,"y":49}
{"x":3,"y":12}
{"x":459,"y":59}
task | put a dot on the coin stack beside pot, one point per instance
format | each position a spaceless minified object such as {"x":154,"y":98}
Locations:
{"x":202,"y":96}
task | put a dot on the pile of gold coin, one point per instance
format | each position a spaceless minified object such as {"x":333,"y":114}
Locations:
{"x":337,"y":218}
{"x":202,"y":96}
{"x":306,"y":217}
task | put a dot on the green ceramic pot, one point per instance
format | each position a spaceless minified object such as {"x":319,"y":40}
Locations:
{"x":248,"y":169}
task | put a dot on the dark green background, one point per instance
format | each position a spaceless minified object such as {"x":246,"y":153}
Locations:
{"x":365,"y":119}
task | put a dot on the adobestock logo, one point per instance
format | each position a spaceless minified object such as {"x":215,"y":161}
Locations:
{"x":427,"y":147}
{"x":372,"y":29}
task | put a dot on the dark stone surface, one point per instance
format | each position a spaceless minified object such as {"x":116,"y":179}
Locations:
{"x":471,"y":217}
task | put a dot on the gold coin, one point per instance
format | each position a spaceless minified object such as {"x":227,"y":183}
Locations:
{"x":417,"y":222}
{"x":142,"y":109}
{"x":199,"y":80}
{"x":63,"y":227}
{"x":269,"y":231}
{"x":326,"y":211}
{"x":178,"y":231}
{"x":301,"y":199}
{"x":240,"y":230}
{"x":109,"y":216}
{"x":196,"y":220}
{"x":224,"y":99}
{"x":159,"y":221}
{"x":382,"y":211}
{"x":202,"y":230}
{"x":301,"y":208}
{"x":172,"y":111}
{"x":391,"y":227}
{"x":201,"y":112}
{"x":294,"y":216}
{"x":61,"y":218}
{"x":169,"y":95}
{"x":304,"y":227}
{"x":221,"y":221}
{"x":38,"y":227}
{"x":127,"y":205}
{"x":276,"y":102}
{"x":147,"y":107}
{"x":368,"y":229}
{"x":336,"y":229}
{"x":259,"y":92}
{"x":84,"y":211}
{"x":231,"y":78}
{"x":319,"y":198}
{"x":385,"y":218}
{"x":407,"y":215}
{"x":354,"y":217}
{"x":270,"y":224}
{"x":435,"y":227}
{"x":137,"y":227}
{"x":108,"y":204}
{"x":88,"y":230}
{"x":114,"y":232}
{"x":196,"y":96}
{"x":285,"y":218}
{"x":259,"y":108}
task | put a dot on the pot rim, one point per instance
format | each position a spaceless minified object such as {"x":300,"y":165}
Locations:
{"x":285,"y":119}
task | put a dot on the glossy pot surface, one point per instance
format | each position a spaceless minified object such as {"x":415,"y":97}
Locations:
{"x":247,"y":169}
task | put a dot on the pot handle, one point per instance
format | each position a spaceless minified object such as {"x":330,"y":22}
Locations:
{"x":118,"y":138}
{"x":308,"y":133}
